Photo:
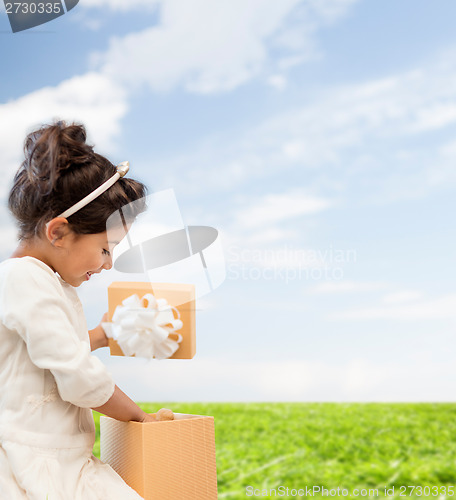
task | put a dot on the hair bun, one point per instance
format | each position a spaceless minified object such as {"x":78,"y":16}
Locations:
{"x":52,"y":150}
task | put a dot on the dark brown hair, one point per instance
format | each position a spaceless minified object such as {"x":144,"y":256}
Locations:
{"x":60,"y":169}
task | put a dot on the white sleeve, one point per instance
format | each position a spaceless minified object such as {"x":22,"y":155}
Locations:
{"x":32,"y":304}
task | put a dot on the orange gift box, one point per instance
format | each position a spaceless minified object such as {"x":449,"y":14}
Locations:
{"x":179,"y":295}
{"x":167,"y":460}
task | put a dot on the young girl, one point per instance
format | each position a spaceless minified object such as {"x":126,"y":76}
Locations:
{"x":49,"y":381}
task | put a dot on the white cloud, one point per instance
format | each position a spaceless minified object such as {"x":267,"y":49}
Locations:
{"x":279,"y":82}
{"x":268,"y":235}
{"x":273,"y":208}
{"x":402,"y":296}
{"x":119,"y":5}
{"x":349,"y":137}
{"x":347,"y":287}
{"x":341,"y":131}
{"x":93,"y":14}
{"x":277,"y":257}
{"x":376,"y":139}
{"x":357,"y":379}
{"x":194,"y":46}
{"x":209,"y":47}
{"x":91,"y":99}
{"x":331,"y":10}
{"x":435,"y":116}
{"x":443,"y":307}
{"x":258,"y":226}
{"x":365,"y":380}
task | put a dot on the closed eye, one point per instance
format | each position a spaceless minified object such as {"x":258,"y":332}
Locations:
{"x":106,"y":252}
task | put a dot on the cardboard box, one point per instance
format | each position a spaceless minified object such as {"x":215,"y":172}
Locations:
{"x":169,"y":460}
{"x":181,"y":296}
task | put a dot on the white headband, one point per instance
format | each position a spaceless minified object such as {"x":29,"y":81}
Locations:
{"x":122,"y":169}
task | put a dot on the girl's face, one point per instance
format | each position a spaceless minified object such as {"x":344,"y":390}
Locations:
{"x":85,"y":254}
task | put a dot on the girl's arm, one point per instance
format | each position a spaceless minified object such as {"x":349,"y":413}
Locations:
{"x":97,"y":335}
{"x":121,"y":407}
{"x":97,"y":338}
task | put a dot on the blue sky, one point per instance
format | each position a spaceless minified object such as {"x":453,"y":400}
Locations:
{"x":317,"y":136}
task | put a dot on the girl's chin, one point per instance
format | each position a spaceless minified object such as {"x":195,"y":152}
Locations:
{"x":74,"y":281}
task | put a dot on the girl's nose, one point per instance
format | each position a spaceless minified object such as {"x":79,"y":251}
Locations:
{"x":108,"y":263}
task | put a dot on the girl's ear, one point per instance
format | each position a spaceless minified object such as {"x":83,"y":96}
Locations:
{"x":56,"y":230}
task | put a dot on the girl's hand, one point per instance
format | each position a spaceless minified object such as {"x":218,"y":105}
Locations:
{"x":149,"y":417}
{"x":162,"y":414}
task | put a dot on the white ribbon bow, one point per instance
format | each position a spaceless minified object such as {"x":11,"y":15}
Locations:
{"x":141,"y":327}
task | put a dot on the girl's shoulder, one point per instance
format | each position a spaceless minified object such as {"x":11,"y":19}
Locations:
{"x":28,"y":278}
{"x":19,"y":268}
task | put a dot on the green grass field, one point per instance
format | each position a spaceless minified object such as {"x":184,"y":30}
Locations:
{"x":346,"y":445}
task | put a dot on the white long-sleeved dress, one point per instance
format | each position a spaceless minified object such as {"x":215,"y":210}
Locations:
{"x":49,"y":380}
